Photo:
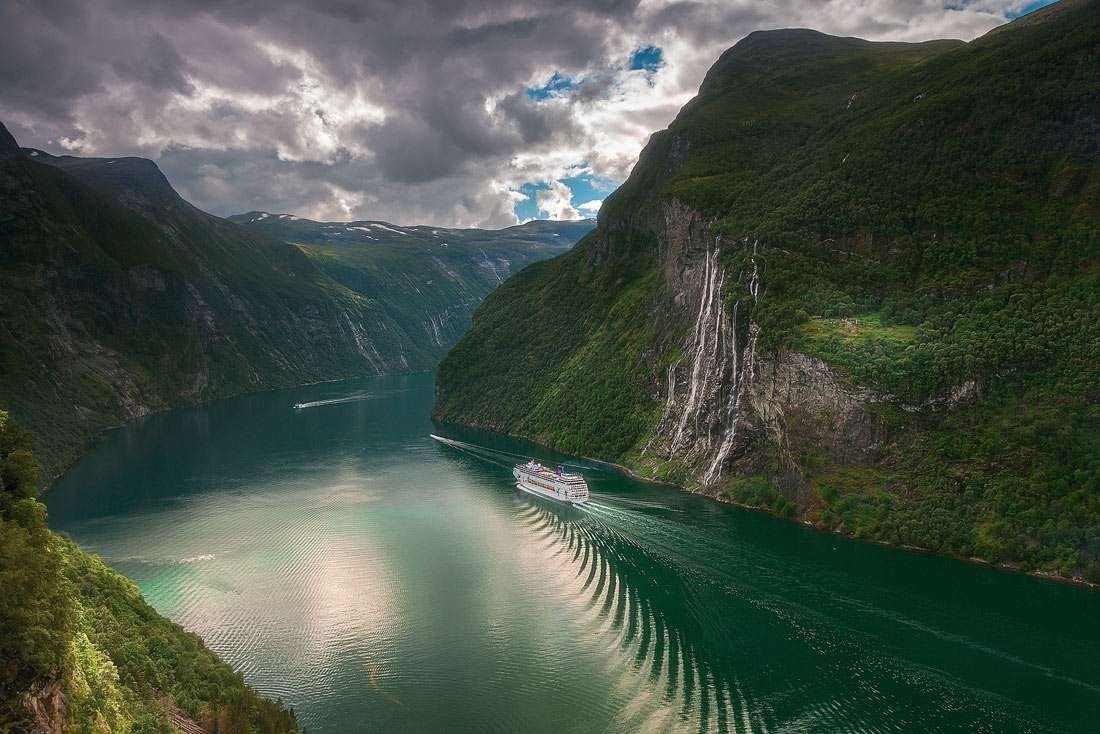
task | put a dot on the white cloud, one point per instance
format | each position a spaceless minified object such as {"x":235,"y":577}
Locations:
{"x":329,"y":112}
{"x":590,"y":208}
{"x":553,"y":202}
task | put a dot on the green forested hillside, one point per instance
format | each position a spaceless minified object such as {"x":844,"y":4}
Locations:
{"x":80,"y":648}
{"x":118,"y":298}
{"x":923,"y":223}
{"x":428,"y":280}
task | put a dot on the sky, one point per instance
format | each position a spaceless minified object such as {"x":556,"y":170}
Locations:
{"x":448,"y":112}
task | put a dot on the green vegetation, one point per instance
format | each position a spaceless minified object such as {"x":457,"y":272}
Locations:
{"x":1015,"y":480}
{"x":547,"y":368}
{"x":426,"y":280}
{"x":118,"y":298}
{"x":927,"y":222}
{"x":70,"y":626}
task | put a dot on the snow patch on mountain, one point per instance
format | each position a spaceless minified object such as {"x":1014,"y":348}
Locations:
{"x":391,"y":229}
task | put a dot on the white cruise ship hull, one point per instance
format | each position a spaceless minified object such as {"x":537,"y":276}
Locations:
{"x":548,"y":494}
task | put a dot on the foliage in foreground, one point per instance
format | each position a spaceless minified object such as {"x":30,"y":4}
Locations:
{"x":69,"y":621}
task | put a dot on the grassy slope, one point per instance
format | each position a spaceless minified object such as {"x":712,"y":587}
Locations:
{"x":67,"y":620}
{"x":930,"y":214}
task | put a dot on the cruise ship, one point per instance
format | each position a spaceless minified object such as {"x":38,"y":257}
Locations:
{"x":557,"y":484}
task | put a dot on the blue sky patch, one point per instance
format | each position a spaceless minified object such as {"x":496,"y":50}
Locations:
{"x":527,"y":209}
{"x":647,"y":58}
{"x":1030,"y":7}
{"x":583,"y":188}
{"x":555,"y":85}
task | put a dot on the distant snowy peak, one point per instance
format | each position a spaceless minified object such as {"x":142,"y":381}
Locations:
{"x":365,"y":227}
{"x":388,"y":228}
{"x":369,"y":232}
{"x":377,"y":228}
{"x":252,"y":217}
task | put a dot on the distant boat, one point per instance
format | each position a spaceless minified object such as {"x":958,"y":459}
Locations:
{"x":299,"y":406}
{"x":556,"y":484}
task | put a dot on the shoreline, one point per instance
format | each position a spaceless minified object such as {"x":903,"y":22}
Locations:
{"x":99,"y":436}
{"x":621,"y":468}
{"x":972,"y":560}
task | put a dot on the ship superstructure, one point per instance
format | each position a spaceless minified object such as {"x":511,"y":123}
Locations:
{"x":556,"y":484}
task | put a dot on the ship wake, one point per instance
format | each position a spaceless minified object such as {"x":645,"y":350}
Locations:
{"x":659,"y":660}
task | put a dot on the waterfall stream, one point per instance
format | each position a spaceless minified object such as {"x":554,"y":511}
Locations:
{"x":704,"y":428}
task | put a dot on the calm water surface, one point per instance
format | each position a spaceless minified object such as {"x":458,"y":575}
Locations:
{"x":376,"y":580}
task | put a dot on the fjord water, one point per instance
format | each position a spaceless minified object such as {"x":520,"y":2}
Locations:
{"x":376,"y":580}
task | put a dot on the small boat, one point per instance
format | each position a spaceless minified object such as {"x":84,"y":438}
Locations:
{"x":299,"y":406}
{"x":556,"y":484}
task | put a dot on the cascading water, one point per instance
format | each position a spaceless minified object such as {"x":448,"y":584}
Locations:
{"x":704,"y":428}
{"x":743,"y":372}
{"x":704,"y":348}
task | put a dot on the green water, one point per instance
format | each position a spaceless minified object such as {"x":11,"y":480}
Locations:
{"x":376,"y":580}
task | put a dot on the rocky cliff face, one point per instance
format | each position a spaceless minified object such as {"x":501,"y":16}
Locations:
{"x":727,"y":406}
{"x":704,"y":421}
{"x":46,"y":707}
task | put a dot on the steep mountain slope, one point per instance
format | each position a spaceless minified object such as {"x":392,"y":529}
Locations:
{"x":853,"y":282}
{"x":428,"y":280}
{"x":80,"y":650}
{"x":118,"y":298}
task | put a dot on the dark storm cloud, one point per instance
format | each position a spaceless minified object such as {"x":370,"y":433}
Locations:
{"x":399,"y":109}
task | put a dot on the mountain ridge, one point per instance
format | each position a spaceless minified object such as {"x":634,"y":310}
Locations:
{"x":818,"y":293}
{"x":119,"y":298}
{"x":132,"y":180}
{"x":257,"y":215}
{"x":428,"y":280}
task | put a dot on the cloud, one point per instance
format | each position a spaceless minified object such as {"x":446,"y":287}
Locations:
{"x":553,"y":202}
{"x":436,"y":111}
{"x":590,"y":208}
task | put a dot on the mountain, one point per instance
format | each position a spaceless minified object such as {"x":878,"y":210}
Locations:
{"x":428,"y":280}
{"x":119,"y":298}
{"x":537,"y":233}
{"x":853,"y":283}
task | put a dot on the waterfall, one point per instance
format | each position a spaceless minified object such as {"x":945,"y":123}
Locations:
{"x":740,"y":380}
{"x":722,"y":369}
{"x":671,"y":390}
{"x":713,"y":278}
